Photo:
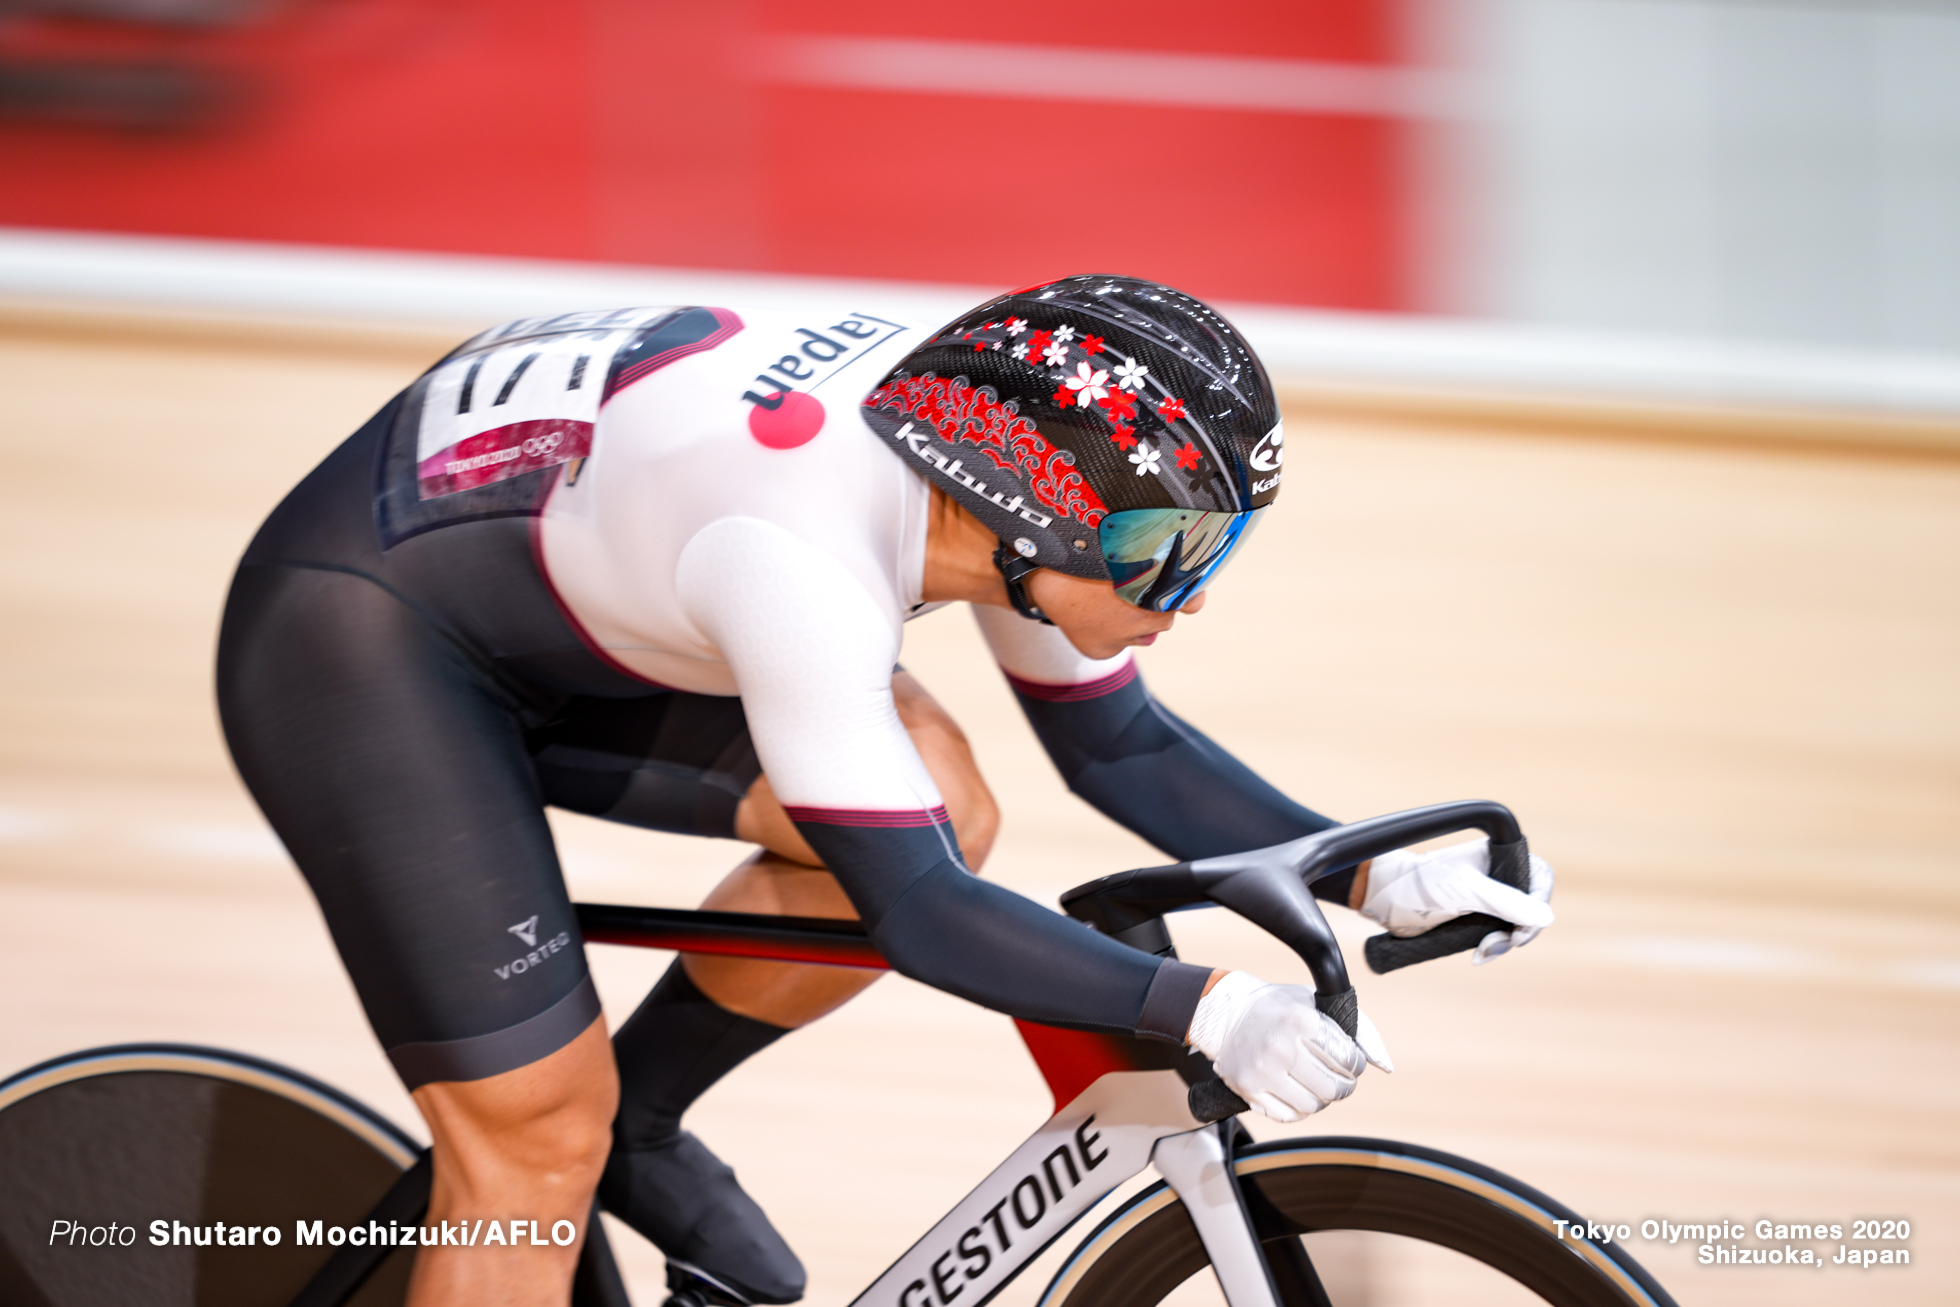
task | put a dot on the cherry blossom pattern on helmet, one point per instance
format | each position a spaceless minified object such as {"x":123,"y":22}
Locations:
{"x":1043,"y":411}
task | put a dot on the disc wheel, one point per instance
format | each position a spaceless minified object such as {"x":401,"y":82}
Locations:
{"x":1296,"y":1187}
{"x":113,"y":1139}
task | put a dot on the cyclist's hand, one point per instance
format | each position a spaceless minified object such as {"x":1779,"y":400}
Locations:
{"x":1499,"y":942}
{"x":1411,"y":892}
{"x":1276,"y":1050}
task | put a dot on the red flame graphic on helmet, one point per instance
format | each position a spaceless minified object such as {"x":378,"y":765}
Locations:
{"x":961,"y":412}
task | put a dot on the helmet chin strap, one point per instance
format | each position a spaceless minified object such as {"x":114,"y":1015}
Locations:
{"x":1014,"y":570}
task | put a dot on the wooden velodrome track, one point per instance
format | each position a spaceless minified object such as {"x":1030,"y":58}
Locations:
{"x":1718,"y":684}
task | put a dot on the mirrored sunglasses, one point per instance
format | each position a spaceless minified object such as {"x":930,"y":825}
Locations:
{"x":1160,"y":557}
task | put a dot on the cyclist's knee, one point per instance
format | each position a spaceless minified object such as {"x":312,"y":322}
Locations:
{"x":563,"y":1149}
{"x":545,"y":1126}
{"x":943,"y":747}
{"x":976,"y":821}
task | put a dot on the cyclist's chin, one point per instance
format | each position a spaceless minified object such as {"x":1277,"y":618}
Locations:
{"x":1097,"y":621}
{"x":1101,"y":640}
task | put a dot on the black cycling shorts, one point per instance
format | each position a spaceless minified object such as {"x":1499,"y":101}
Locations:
{"x":403,"y":697}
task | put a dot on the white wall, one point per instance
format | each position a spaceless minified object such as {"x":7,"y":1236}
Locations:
{"x":1765,"y":169}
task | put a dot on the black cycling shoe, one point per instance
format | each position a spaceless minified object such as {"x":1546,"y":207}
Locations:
{"x":721,"y":1250}
{"x":689,"y":1287}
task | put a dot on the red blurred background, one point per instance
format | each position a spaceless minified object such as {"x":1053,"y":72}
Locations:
{"x":766,"y":135}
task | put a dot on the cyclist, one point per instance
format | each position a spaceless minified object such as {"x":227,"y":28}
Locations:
{"x":654,"y":565}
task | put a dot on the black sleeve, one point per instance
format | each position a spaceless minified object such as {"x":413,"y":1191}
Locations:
{"x":1145,"y":768}
{"x":941,"y":925}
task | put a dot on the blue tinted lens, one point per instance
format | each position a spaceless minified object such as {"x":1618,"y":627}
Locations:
{"x":1160,"y":557}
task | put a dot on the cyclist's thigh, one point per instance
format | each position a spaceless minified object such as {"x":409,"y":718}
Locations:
{"x":675,"y":762}
{"x":684,"y":763}
{"x":943,"y":747}
{"x":392,"y":765}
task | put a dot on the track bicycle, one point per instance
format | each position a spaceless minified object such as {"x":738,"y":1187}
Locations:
{"x":212,"y":1139}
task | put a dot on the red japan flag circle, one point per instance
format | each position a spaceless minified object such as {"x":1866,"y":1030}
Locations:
{"x":795,"y":421}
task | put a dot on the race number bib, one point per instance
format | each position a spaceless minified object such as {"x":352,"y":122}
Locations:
{"x":483,"y":433}
{"x":521,"y":397}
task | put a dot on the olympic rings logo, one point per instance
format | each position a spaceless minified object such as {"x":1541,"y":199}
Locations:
{"x":538,"y":446}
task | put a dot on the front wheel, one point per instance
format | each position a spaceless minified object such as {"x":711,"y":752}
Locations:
{"x":1296,"y":1187}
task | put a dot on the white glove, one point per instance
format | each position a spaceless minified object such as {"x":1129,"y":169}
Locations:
{"x":1410,"y":892}
{"x":1277,"y":1051}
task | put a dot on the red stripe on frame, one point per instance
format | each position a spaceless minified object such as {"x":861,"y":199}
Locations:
{"x":1072,"y":1060}
{"x":885,"y":818}
{"x":1095,"y":689}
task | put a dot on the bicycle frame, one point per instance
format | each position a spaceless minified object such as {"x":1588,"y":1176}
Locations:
{"x":1120,"y":1106}
{"x":1121,"y":1103}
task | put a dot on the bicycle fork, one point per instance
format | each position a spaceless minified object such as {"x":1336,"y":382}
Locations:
{"x":1198,"y":1168}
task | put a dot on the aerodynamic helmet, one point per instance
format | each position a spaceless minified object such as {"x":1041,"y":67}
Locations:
{"x":1106,"y":427}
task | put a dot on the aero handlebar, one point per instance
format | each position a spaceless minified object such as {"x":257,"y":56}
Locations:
{"x":1268,"y":887}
